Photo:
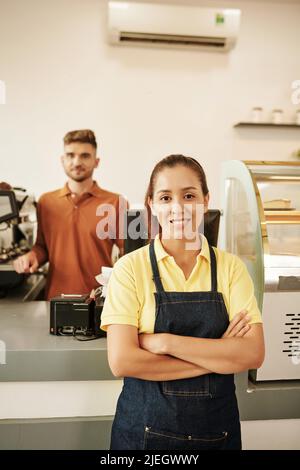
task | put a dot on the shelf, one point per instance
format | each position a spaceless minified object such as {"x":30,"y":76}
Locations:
{"x":283,"y":216}
{"x":267,"y":124}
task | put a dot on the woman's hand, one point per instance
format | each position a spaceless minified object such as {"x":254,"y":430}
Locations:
{"x":154,"y":343}
{"x":239,"y":326}
{"x":157,"y":342}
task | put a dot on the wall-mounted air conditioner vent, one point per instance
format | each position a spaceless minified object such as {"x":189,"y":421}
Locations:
{"x":173,"y":25}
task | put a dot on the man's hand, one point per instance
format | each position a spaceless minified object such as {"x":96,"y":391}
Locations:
{"x":92,"y":294}
{"x":27,"y":263}
{"x":239,"y":326}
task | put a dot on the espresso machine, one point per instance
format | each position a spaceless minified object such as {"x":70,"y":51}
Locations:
{"x":18,"y":225}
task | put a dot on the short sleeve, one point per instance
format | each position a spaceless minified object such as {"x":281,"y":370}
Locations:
{"x":121,"y":305}
{"x":241,"y":292}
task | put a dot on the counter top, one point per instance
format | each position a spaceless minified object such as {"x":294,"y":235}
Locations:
{"x":24,"y":328}
{"x":34,"y":355}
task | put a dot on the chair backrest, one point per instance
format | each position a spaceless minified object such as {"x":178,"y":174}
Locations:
{"x":211,"y":226}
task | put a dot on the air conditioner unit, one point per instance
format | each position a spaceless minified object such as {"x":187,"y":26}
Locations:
{"x":173,"y":25}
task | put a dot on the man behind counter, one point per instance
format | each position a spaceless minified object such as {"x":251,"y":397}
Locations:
{"x":67,"y":223}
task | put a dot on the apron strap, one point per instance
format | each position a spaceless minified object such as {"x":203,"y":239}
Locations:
{"x":213,"y":269}
{"x":155,"y":271}
{"x":157,"y":279}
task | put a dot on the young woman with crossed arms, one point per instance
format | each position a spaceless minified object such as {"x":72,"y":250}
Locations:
{"x":181,"y":319}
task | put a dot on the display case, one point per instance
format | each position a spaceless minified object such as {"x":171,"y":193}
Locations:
{"x":261,"y":224}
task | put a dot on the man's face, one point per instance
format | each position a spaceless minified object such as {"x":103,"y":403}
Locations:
{"x":79,"y":161}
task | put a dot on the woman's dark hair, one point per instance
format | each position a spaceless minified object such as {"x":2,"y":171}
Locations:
{"x":170,"y":162}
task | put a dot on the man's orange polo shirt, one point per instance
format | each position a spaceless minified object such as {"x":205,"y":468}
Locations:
{"x":67,"y":237}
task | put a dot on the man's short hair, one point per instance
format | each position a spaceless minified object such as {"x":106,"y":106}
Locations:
{"x":85,"y":136}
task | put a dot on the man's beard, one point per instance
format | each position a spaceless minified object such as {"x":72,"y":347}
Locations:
{"x":79,"y":178}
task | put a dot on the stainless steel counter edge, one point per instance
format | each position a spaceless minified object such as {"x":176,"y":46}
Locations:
{"x":30,"y":353}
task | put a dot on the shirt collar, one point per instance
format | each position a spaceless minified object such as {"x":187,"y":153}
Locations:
{"x":161,"y":253}
{"x":64,"y":191}
{"x":95,"y":190}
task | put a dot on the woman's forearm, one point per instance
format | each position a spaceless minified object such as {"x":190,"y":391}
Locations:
{"x":222,"y":356}
{"x":145,"y":365}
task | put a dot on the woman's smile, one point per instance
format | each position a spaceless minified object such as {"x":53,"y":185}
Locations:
{"x":179,"y":222}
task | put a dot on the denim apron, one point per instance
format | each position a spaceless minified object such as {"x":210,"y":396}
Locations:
{"x":187,"y":414}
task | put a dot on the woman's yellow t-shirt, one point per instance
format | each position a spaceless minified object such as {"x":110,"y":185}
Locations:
{"x":130,"y":293}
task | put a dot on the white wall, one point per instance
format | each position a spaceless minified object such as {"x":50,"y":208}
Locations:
{"x":143,"y":104}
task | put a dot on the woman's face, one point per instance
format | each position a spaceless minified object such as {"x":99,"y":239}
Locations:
{"x":178,"y":202}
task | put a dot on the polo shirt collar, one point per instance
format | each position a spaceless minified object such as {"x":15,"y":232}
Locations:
{"x":64,"y":191}
{"x":95,"y":190}
{"x":161,"y":253}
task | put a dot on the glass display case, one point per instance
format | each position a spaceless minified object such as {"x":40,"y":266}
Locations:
{"x":261,"y":224}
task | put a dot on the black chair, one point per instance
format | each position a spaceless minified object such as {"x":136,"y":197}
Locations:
{"x":211,"y":226}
